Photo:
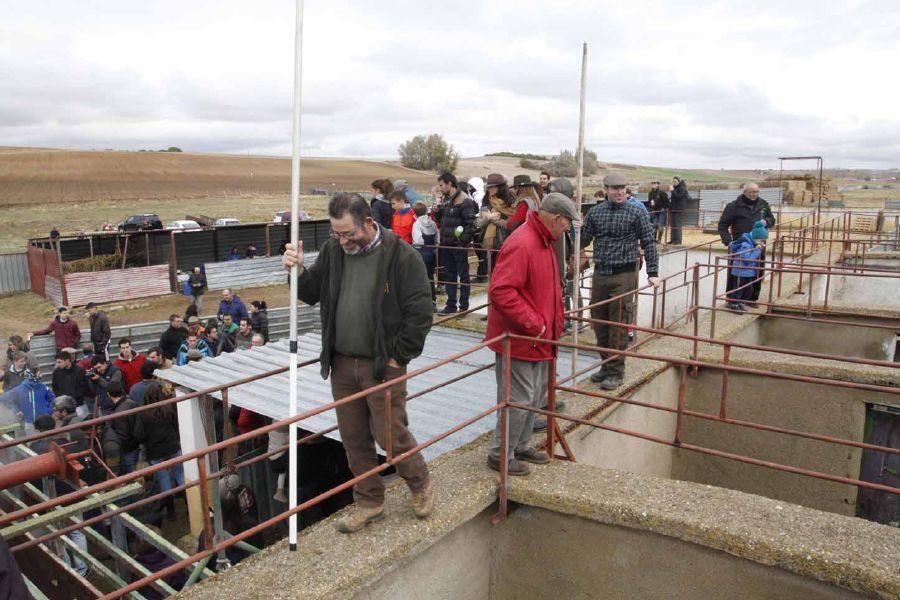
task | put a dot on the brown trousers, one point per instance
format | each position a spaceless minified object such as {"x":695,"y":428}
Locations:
{"x":612,"y":336}
{"x":361,"y":424}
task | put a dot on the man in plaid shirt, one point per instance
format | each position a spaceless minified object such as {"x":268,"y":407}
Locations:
{"x":617,"y":228}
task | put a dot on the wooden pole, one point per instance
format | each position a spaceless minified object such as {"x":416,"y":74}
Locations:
{"x":579,"y":187}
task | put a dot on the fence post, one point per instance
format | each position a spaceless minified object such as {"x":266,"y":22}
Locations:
{"x":551,"y":406}
{"x":504,"y":432}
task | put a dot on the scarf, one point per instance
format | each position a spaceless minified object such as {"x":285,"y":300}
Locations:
{"x":492,"y":229}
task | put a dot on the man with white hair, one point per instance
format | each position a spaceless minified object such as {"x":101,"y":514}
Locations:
{"x":738,"y":218}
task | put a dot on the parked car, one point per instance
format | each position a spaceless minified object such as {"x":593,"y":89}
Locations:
{"x":184,"y":224}
{"x":284,"y":216}
{"x":226,"y":221}
{"x":141,"y":223}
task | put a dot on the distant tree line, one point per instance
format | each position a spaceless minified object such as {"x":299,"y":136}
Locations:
{"x":523,"y":155}
{"x":169,"y":149}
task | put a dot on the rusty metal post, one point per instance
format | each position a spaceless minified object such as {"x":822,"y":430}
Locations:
{"x":827,"y":287}
{"x":715,"y":298}
{"x":268,"y":240}
{"x":662,"y":310}
{"x":726,"y":356}
{"x":147,"y":247}
{"x":695,"y":312}
{"x":809,"y":298}
{"x":551,"y":407}
{"x":52,"y":462}
{"x":204,"y":500}
{"x":91,"y":249}
{"x":679,"y":414}
{"x":388,"y":409}
{"x":504,"y":433}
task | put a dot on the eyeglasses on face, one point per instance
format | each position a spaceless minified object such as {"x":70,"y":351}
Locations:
{"x":343,"y":235}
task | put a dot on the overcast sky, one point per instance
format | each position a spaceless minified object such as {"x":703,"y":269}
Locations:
{"x":681,"y":84}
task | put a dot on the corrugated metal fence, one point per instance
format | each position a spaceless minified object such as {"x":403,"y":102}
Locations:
{"x":713,"y":201}
{"x":14,"y":273}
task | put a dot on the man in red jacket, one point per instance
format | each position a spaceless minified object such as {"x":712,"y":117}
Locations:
{"x":130,"y":363}
{"x":526,"y":299}
{"x":64,"y":328}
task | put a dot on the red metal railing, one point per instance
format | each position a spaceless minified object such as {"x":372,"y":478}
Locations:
{"x":688,"y":278}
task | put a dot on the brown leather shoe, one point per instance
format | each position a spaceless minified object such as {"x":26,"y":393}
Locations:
{"x":358,"y":517}
{"x":422,"y":503}
{"x":516,"y":466}
{"x":537,"y":457}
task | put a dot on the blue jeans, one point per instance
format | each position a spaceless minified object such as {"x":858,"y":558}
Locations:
{"x":128,"y":461}
{"x":454,"y":264}
{"x":164,"y":477}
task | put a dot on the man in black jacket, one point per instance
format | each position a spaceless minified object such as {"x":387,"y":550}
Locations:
{"x":677,"y":205}
{"x":375,"y":307}
{"x":455,"y":214}
{"x":100,"y":332}
{"x":70,"y":380}
{"x":172,"y":338}
{"x":658,"y":206}
{"x":737,"y":219}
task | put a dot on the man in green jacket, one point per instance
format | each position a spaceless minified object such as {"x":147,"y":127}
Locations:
{"x":375,"y":307}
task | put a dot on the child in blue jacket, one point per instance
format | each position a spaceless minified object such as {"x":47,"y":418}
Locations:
{"x":745,"y":264}
{"x":29,"y":400}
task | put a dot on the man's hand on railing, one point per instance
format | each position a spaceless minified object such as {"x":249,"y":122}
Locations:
{"x":293,"y":257}
{"x":654,"y":281}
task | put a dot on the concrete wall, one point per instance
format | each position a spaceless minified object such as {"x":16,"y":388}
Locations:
{"x":844,"y":340}
{"x":872,"y":293}
{"x":458,"y":567}
{"x":800,"y":406}
{"x":612,"y":450}
{"x":543,"y":554}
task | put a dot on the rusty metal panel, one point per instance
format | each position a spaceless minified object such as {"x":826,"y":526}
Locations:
{"x":116,"y":285}
{"x":52,"y":290}
{"x":36,"y":269}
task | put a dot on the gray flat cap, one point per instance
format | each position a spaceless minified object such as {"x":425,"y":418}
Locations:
{"x":558,"y":204}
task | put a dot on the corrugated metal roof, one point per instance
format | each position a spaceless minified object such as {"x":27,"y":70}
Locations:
{"x":253,"y":272}
{"x":429,"y":415}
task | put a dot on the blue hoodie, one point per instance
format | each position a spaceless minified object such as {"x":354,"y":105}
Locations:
{"x":31,"y":397}
{"x":744,"y":255}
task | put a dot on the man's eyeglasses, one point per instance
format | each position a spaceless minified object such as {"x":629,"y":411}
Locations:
{"x":343,"y":235}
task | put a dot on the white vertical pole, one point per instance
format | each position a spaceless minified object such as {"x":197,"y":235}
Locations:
{"x":295,"y":235}
{"x":578,"y":191}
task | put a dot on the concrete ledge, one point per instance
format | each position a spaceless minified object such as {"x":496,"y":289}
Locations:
{"x":844,"y":551}
{"x":810,"y":367}
{"x":329,"y":564}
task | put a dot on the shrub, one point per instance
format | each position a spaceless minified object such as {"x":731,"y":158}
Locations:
{"x":428,"y":153}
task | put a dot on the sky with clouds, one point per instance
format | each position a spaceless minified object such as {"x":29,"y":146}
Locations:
{"x":683,"y":84}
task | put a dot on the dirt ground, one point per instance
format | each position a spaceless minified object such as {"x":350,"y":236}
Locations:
{"x":74,"y":190}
